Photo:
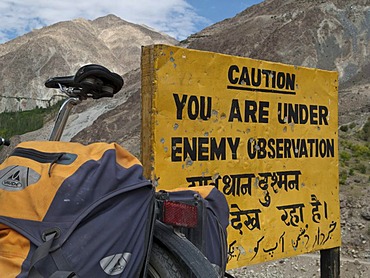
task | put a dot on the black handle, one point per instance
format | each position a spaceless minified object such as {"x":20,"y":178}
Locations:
{"x":4,"y":141}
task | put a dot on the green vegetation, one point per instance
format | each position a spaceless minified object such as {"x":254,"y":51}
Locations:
{"x":354,"y":152}
{"x":343,"y":177}
{"x":365,"y":132}
{"x":344,"y":128}
{"x":16,"y":123}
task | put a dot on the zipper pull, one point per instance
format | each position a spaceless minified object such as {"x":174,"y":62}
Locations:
{"x":53,"y":162}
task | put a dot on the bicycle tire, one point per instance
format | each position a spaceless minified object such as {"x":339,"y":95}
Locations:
{"x":163,"y":264}
{"x":190,"y":257}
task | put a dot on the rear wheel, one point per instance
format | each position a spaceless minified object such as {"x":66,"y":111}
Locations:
{"x":189,"y":260}
{"x":163,"y":264}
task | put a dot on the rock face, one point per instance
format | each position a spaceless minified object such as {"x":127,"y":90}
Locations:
{"x":330,"y":35}
{"x":26,"y":62}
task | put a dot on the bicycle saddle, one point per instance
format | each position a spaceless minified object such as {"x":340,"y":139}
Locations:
{"x":93,"y":81}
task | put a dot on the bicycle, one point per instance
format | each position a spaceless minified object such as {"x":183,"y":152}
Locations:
{"x":171,"y":253}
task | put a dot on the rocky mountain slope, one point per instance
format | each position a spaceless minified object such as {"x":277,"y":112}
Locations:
{"x":60,"y":49}
{"x":330,"y":34}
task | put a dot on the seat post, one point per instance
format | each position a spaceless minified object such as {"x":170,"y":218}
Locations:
{"x":62,"y":118}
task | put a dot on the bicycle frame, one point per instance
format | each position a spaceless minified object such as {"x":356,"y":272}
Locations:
{"x":62,"y":117}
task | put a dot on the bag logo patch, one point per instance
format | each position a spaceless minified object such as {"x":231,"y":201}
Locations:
{"x":15,"y":178}
{"x":115,"y":264}
{"x":13,"y":181}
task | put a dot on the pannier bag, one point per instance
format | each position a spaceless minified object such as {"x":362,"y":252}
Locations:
{"x":69,"y":210}
{"x":209,"y":234}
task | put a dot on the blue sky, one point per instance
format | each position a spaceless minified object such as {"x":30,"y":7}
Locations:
{"x":217,"y":10}
{"x":178,"y":18}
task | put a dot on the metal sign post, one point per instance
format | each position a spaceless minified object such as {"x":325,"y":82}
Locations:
{"x":330,"y":263}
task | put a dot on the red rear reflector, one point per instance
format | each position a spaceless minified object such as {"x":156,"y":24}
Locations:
{"x":180,"y":214}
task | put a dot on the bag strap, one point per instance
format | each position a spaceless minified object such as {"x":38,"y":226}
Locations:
{"x":41,"y":253}
{"x":63,"y":274}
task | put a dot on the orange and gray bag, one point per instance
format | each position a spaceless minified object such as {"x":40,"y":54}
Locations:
{"x":69,"y":210}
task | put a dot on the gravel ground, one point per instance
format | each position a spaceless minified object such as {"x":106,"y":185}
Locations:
{"x":302,"y":266}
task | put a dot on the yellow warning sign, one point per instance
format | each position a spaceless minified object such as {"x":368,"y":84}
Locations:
{"x":265,"y":134}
